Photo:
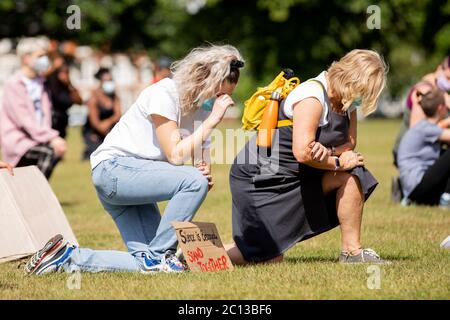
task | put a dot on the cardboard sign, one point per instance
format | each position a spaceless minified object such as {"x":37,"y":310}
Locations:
{"x":202,"y":247}
{"x":30,"y":213}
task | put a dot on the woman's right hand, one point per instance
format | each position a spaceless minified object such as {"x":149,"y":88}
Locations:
{"x":350,"y":160}
{"x":59,"y":146}
{"x":220,"y":106}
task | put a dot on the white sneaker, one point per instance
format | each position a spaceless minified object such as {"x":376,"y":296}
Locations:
{"x":446,"y":243}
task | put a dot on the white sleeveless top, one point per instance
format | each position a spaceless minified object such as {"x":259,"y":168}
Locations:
{"x":309,"y":89}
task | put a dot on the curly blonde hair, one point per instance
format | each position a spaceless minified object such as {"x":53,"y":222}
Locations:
{"x":200,"y":74}
{"x":359,"y":74}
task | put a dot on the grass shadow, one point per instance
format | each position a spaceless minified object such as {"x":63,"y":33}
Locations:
{"x":328,"y":259}
{"x":310,"y":259}
{"x":69,"y":204}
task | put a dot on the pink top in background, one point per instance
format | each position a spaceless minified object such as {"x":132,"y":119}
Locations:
{"x":19,"y":127}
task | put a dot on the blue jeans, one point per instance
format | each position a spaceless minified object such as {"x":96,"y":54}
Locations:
{"x":129,"y":189}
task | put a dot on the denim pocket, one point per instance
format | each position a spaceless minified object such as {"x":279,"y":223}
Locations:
{"x":110,"y":185}
{"x":105,"y":182}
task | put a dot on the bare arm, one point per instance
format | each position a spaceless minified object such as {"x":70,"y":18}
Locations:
{"x":179,"y":150}
{"x":93,"y":114}
{"x":445,"y":136}
{"x":117,"y":111}
{"x":416,"y":109}
{"x":74,"y":94}
{"x":307,"y":115}
{"x":445,"y":123}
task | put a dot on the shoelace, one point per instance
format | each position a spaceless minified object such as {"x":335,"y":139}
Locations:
{"x":30,"y":264}
{"x":172,"y":258}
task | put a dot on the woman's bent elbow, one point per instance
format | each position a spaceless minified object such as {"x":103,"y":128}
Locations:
{"x":301,"y":156}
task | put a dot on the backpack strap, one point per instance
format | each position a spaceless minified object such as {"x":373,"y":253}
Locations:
{"x":285,"y":123}
{"x":290,"y":122}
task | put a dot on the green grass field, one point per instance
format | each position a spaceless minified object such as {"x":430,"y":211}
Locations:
{"x":410,"y":237}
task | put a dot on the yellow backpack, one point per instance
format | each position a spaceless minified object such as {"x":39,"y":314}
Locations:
{"x":254,"y":107}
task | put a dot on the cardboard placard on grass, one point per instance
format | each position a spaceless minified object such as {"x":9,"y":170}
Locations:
{"x":30,"y":214}
{"x":202,"y":247}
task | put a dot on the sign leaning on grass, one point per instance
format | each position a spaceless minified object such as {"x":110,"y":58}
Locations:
{"x":202,"y":247}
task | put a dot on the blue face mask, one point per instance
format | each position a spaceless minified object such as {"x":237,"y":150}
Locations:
{"x":355,"y":104}
{"x":208,"y":104}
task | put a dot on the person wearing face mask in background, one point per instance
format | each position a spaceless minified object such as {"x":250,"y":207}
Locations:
{"x":27,"y":137}
{"x":104,"y":111}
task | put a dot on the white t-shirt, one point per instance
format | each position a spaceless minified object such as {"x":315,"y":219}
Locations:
{"x":34,"y":88}
{"x":309,"y":89}
{"x":134,"y":135}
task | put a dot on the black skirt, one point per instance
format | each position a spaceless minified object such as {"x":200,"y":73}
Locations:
{"x":275,"y":209}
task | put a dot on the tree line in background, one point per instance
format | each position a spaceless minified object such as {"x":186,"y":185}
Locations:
{"x":305,"y":35}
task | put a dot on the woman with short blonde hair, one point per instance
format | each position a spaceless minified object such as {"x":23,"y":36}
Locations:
{"x":141,"y":162}
{"x":312,"y":180}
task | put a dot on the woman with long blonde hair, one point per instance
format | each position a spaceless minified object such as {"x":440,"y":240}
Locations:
{"x":312,"y":180}
{"x":141,"y":162}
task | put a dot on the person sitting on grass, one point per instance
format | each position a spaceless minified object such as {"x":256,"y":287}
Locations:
{"x":141,"y":163}
{"x":413,"y":113}
{"x":313,"y":179}
{"x":424,"y":166}
{"x":27,"y":137}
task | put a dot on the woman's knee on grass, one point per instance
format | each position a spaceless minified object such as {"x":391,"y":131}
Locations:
{"x":237,"y":258}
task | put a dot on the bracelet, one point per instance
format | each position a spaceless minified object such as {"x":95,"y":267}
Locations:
{"x":337,"y":163}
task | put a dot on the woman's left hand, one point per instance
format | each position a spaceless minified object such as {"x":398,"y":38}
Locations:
{"x":318,"y":151}
{"x":205,"y":169}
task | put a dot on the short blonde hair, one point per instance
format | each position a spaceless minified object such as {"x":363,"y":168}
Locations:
{"x":30,"y":45}
{"x":199,"y":74}
{"x":359,"y":74}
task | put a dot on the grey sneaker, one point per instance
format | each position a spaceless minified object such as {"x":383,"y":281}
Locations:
{"x":365,"y":256}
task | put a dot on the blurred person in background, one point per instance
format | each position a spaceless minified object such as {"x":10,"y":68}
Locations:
{"x":7,"y":166}
{"x":63,"y":95}
{"x":424,"y":166}
{"x":27,"y":137}
{"x":413,"y":113}
{"x":161,"y":69}
{"x":104,"y":111}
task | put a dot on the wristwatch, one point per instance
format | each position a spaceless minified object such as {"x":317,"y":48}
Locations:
{"x":337,"y":164}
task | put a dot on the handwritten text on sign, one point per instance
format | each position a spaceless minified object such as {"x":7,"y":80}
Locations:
{"x":202,"y":247}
